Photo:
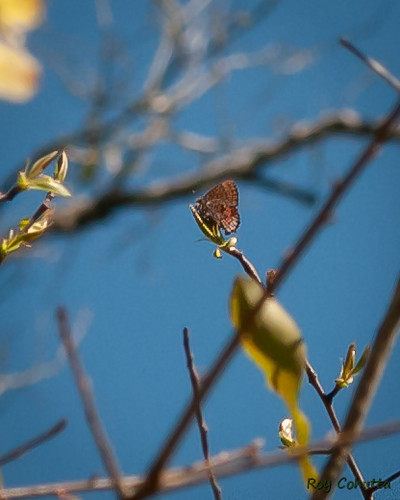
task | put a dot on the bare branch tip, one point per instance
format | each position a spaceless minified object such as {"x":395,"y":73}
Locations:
{"x":61,"y":314}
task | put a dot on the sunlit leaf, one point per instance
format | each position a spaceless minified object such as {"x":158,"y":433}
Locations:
{"x":362,"y":361}
{"x":47,"y":183}
{"x":40,"y":165}
{"x":19,"y":73}
{"x":273,"y":341}
{"x":21,"y":15}
{"x":349,"y":368}
{"x":61,"y":170}
{"x":26,"y":236}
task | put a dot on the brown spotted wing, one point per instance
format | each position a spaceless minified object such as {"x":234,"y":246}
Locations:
{"x":220,"y":206}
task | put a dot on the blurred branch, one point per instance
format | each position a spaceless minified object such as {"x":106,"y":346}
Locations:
{"x":189,"y":83}
{"x":11,"y":194}
{"x":245,"y":163}
{"x":201,"y":423}
{"x":225,"y":464}
{"x":46,"y":370}
{"x":180,"y":73}
{"x":92,"y":416}
{"x":33,"y":443}
{"x":195,"y":70}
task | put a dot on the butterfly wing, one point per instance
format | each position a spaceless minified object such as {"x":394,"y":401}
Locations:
{"x":219,"y":205}
{"x":231,"y":220}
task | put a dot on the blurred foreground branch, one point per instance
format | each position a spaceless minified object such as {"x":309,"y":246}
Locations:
{"x":201,"y":423}
{"x":227,"y":463}
{"x":91,"y":413}
{"x":247,"y":163}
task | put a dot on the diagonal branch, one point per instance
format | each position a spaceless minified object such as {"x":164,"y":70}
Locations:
{"x":201,"y":423}
{"x":373,"y":65}
{"x":92,"y":416}
{"x":33,"y":443}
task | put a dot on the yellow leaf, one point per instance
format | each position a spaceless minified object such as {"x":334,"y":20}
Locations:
{"x":273,"y":341}
{"x":19,"y":74}
{"x":20,"y":15}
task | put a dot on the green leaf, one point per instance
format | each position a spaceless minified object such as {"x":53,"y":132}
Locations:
{"x":348,"y":365}
{"x":362,"y":361}
{"x":47,"y":183}
{"x":61,"y":170}
{"x":25,"y":237}
{"x":40,"y":165}
{"x":348,"y":369}
{"x":11,"y":245}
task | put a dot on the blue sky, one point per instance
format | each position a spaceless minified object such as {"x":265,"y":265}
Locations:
{"x":143,"y":275}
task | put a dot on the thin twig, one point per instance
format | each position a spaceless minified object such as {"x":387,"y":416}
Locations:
{"x":334,"y":392}
{"x":246,"y":264}
{"x":45,"y":370}
{"x":389,"y":479}
{"x":203,"y":429}
{"x":11,"y":194}
{"x":152,"y":480}
{"x":33,"y":443}
{"x":351,"y":462}
{"x":227,"y":352}
{"x":367,"y":387}
{"x":92,"y":415}
{"x":373,"y":65}
{"x":271,"y":273}
{"x":44,"y":207}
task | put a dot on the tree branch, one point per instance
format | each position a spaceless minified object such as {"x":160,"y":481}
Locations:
{"x":225,"y":464}
{"x":246,"y":163}
{"x":92,"y":416}
{"x":201,"y":423}
{"x":33,"y":443}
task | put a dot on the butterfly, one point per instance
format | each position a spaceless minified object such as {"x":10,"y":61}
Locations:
{"x":219,"y":206}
